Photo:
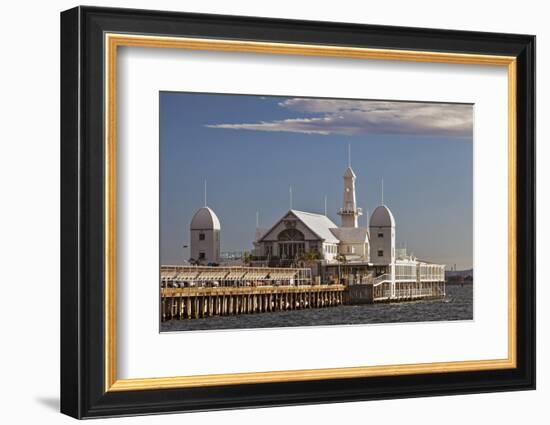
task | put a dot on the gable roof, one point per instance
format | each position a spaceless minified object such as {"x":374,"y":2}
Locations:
{"x":351,"y":234}
{"x":260,"y":233}
{"x":318,"y":224}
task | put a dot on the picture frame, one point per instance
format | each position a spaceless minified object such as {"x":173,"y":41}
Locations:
{"x":90,"y":40}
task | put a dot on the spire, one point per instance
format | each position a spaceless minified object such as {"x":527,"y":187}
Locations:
{"x":205,"y":203}
{"x":325,"y":205}
{"x":349,"y":171}
{"x":290,"y":196}
{"x":257,"y":219}
{"x":349,"y":211}
{"x":382,"y":191}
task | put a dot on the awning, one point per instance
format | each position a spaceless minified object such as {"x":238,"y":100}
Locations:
{"x":235,"y":275}
{"x":256,"y":275}
{"x":212,"y":275}
{"x":168,"y":275}
{"x":282,"y":275}
{"x":205,"y":274}
{"x":186,"y":275}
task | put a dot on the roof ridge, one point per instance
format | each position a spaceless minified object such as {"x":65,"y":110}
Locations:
{"x":308,"y":212}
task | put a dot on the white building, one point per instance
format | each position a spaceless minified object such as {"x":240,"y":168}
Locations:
{"x":361,"y":251}
{"x":349,"y":251}
{"x":205,"y":236}
{"x":300,"y":232}
{"x":297,"y":233}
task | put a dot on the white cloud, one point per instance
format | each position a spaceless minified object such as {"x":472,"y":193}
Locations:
{"x":349,"y":117}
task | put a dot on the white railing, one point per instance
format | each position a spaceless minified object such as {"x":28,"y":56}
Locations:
{"x":382,"y":291}
{"x":417,"y":292}
{"x":381,"y":279}
{"x":405,"y":278}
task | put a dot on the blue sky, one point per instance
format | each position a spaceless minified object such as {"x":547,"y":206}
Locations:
{"x":250,"y":149}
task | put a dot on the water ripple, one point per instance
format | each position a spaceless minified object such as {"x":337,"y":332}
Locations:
{"x":458,"y":305}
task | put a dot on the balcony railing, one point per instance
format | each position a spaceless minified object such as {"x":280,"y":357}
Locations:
{"x":343,"y":211}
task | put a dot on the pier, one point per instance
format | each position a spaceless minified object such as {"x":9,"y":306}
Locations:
{"x":194,"y":303}
{"x":193,"y":292}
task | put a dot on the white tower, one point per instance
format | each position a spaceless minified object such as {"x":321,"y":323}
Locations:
{"x":349,"y":211}
{"x":205,"y":236}
{"x":382,"y":236}
{"x":382,"y":241}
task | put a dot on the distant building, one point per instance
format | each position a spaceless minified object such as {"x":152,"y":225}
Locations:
{"x":231,"y":255}
{"x":205,"y":236}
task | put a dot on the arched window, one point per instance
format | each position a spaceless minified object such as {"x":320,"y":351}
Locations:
{"x":290,"y":235}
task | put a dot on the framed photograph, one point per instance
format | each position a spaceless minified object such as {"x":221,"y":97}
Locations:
{"x":261,"y":212}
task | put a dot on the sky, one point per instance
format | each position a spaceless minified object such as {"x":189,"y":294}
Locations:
{"x":251,"y":149}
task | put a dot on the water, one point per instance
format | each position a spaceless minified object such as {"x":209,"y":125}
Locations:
{"x":457,"y":305}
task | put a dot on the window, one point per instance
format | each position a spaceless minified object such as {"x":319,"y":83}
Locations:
{"x":202,"y":256}
{"x":380,"y":252}
{"x":291,"y":235}
{"x":380,"y":235}
{"x":201,"y":236}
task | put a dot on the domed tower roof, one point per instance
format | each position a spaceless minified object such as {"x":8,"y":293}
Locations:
{"x":382,"y":217}
{"x":205,"y":219}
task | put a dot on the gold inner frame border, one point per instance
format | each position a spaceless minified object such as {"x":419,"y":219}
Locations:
{"x":113,"y":40}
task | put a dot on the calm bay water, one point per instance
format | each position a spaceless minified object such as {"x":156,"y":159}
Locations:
{"x":458,"y":305}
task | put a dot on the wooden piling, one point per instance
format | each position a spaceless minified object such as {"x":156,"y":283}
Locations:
{"x":194,"y":303}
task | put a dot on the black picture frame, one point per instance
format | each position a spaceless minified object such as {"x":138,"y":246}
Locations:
{"x":83,"y":392}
